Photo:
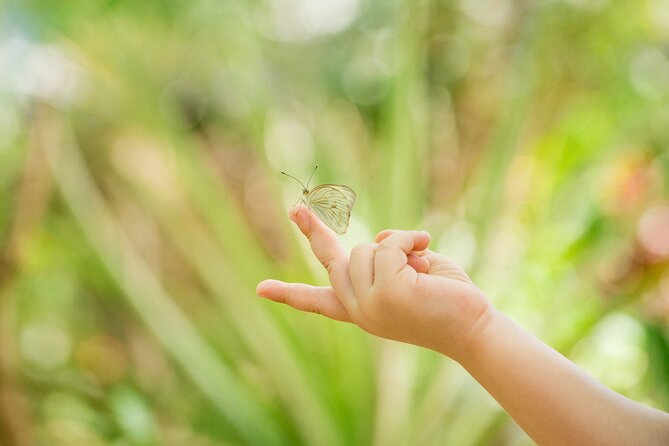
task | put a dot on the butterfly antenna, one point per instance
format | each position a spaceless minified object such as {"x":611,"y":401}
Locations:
{"x":288,"y":175}
{"x":311,"y":176}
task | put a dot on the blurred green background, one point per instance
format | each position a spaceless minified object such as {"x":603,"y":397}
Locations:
{"x":141,"y":202}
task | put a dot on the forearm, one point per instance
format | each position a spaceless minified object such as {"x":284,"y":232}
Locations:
{"x":554,"y":401}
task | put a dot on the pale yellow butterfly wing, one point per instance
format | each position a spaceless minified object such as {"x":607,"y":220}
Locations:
{"x":332,"y":203}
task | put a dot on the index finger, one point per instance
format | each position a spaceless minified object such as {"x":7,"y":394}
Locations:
{"x":328,"y":250}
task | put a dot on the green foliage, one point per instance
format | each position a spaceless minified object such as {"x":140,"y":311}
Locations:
{"x":140,"y":203}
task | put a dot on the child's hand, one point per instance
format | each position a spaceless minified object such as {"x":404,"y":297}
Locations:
{"x":395,"y":288}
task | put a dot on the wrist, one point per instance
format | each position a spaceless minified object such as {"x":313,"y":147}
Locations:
{"x":473,"y":340}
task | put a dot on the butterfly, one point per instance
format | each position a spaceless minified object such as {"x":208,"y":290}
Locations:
{"x":332,"y":203}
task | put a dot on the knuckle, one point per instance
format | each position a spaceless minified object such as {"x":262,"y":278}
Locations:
{"x":382,"y":247}
{"x":362,"y":249}
{"x":313,"y":307}
{"x":387,"y":244}
{"x":285,"y":290}
{"x":328,"y":262}
{"x":331,"y":264}
{"x":289,"y":296}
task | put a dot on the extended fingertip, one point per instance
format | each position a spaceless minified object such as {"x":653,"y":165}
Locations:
{"x":299,"y":215}
{"x":306,"y":222}
{"x":264,"y":287}
{"x":260,"y":288}
{"x":293,"y":212}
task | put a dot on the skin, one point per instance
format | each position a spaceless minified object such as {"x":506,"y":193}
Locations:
{"x":398,"y":289}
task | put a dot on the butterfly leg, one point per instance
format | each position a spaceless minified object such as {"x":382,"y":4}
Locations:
{"x":304,"y":202}
{"x":298,"y":200}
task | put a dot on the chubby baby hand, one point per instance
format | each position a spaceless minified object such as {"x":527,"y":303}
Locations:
{"x":395,"y":288}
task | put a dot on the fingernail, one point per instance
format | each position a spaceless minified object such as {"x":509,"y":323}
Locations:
{"x":294,"y":213}
{"x":299,"y":217}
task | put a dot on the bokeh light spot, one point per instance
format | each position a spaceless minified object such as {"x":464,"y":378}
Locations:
{"x":306,"y":19}
{"x":45,"y":344}
{"x":649,"y":73}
